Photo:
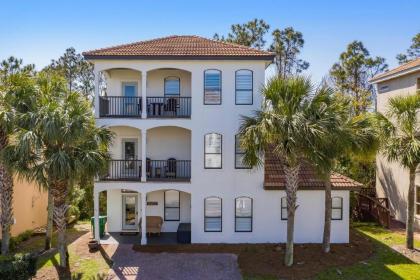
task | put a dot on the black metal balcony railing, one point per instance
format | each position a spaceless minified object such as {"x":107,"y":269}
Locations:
{"x":156,"y":170}
{"x":121,"y":169}
{"x":169,"y":107}
{"x":168,"y":170}
{"x":120,"y":106}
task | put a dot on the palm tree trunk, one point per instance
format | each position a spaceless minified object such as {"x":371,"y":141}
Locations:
{"x":327,"y":219}
{"x":59,"y":193}
{"x":292,"y":183}
{"x":50,"y":223}
{"x":6,"y":208}
{"x":410,"y":210}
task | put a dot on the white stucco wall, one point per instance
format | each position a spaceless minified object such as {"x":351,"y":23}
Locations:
{"x":227,"y":182}
{"x":392,"y":180}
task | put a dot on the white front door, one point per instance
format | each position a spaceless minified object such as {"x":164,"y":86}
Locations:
{"x":130,"y":212}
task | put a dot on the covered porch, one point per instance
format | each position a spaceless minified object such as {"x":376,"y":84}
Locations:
{"x":135,"y":217}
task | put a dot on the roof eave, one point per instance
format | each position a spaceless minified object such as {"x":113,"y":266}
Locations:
{"x":380,"y":79}
{"x":271,"y":187}
{"x":269,"y":58}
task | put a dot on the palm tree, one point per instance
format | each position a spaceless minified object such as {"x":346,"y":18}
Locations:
{"x":61,"y":145}
{"x":15,"y":91}
{"x":401,"y":143}
{"x":292,"y":118}
{"x":353,"y":136}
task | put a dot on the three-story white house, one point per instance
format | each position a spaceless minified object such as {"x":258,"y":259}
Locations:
{"x":175,"y":105}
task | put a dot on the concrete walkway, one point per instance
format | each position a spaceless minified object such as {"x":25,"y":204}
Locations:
{"x":129,"y":264}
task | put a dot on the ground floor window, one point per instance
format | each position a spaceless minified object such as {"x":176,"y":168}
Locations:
{"x":418,"y":200}
{"x":337,"y":208}
{"x":284,"y":208}
{"x":172,"y":205}
{"x":213,"y":214}
{"x":243,"y":214}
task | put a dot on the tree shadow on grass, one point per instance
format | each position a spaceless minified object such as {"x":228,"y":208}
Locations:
{"x":385,"y":263}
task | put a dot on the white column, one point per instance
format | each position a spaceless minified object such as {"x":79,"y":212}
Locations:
{"x":143,"y":219}
{"x":143,"y":154}
{"x":96,"y":213}
{"x":143,"y":94}
{"x":96,"y":73}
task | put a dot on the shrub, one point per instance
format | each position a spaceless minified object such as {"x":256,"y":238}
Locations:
{"x":16,"y":240}
{"x":19,"y":266}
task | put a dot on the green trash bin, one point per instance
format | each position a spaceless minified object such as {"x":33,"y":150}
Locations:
{"x":102,"y":222}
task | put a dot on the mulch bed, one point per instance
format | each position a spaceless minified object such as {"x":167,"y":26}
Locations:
{"x":266,"y":260}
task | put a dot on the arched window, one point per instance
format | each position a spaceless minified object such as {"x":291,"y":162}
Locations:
{"x":284,"y":208}
{"x":171,"y":205}
{"x":239,"y":154}
{"x":213,"y":151}
{"x":337,"y":208}
{"x":172,"y":86}
{"x":243,"y":214}
{"x":212,"y":87}
{"x":213,"y":214}
{"x":243,"y":87}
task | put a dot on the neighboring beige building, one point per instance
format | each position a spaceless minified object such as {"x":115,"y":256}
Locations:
{"x":29,"y":207}
{"x":391,"y":178}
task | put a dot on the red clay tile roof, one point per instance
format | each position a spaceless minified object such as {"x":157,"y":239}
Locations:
{"x":176,"y":47}
{"x":274,"y":178}
{"x":404,"y":67}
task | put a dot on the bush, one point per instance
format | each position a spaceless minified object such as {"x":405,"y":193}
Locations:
{"x":19,"y":266}
{"x":15,"y":241}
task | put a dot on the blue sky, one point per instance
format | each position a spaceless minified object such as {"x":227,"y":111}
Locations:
{"x":39,"y":31}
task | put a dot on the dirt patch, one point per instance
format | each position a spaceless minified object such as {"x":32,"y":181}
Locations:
{"x":413,"y":255}
{"x":266,"y":260}
{"x":79,"y":256}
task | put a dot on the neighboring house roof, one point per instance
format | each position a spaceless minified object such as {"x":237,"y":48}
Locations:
{"x":275,"y":179}
{"x":179,"y":47}
{"x":404,"y":69}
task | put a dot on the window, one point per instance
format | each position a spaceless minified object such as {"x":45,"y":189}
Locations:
{"x":417,"y":200}
{"x":172,"y":86}
{"x":337,"y":208}
{"x":213,"y":151}
{"x":239,"y":154}
{"x":243,"y":214}
{"x":213,"y":214}
{"x":171,"y":208}
{"x":383,"y":89}
{"x":284,"y":208}
{"x":212,"y":87}
{"x":243,"y":87}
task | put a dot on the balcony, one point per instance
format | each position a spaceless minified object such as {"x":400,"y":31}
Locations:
{"x":169,"y":107}
{"x":160,"y":93}
{"x":123,"y":170}
{"x":170,"y":170}
{"x":119,"y":107}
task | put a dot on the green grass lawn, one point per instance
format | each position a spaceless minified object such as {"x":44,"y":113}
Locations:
{"x":384,"y":264}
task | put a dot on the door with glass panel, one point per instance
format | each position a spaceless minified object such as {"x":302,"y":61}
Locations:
{"x":129,"y":102}
{"x":129,"y":167}
{"x":130,"y":215}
